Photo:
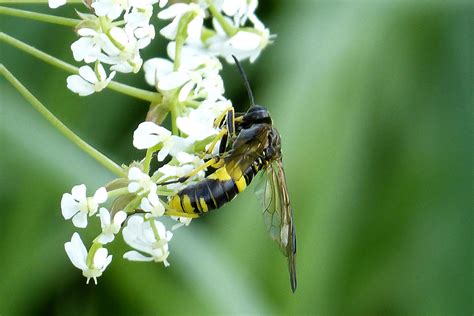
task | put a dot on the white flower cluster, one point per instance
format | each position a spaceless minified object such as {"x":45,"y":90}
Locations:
{"x":114,"y":35}
{"x":116,"y":31}
{"x":192,"y":92}
{"x":143,"y":233}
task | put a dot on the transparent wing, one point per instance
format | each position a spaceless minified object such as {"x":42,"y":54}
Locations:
{"x":246,"y":149}
{"x":278,"y":214}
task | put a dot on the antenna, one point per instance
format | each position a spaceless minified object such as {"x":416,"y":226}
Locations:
{"x":246,"y":81}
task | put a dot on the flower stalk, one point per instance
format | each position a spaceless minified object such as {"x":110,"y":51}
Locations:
{"x":228,"y":29}
{"x":48,"y":18}
{"x":116,"y":86}
{"x":84,"y":146}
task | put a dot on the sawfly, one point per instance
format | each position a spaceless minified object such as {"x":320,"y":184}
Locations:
{"x":249,"y":145}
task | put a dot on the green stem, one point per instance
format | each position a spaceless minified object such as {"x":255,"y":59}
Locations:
{"x":149,"y":155}
{"x":165,"y":192}
{"x":132,"y":205}
{"x":154,"y":229}
{"x":119,"y":87}
{"x":192,"y":104}
{"x":228,"y":29}
{"x":90,"y":255}
{"x":91,"y":151}
{"x":174,"y":116}
{"x":181,"y":35}
{"x":117,"y":192}
{"x":40,"y":17}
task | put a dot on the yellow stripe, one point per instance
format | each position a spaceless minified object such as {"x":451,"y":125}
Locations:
{"x":187,"y":207}
{"x":241,"y":184}
{"x":220,"y":174}
{"x":203,"y":204}
{"x":175,"y":203}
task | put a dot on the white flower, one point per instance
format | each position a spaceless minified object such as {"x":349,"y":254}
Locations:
{"x":138,"y":16}
{"x":139,"y":235}
{"x":144,"y":35}
{"x":119,"y":47}
{"x":240,"y":10}
{"x":77,"y":205}
{"x":198,"y":124}
{"x":128,"y":59}
{"x":92,"y":42}
{"x":77,"y":253}
{"x":53,"y":4}
{"x":110,"y":227}
{"x":140,"y":181}
{"x":149,"y":134}
{"x":110,"y":8}
{"x":244,"y":44}
{"x":138,"y":24}
{"x":89,"y":81}
{"x":175,"y":12}
{"x":153,"y":205}
{"x":155,"y":69}
{"x":173,"y":145}
{"x":198,"y":72}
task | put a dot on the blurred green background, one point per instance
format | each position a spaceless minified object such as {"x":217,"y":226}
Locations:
{"x":374,"y":103}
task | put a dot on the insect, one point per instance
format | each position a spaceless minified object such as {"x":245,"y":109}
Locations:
{"x":249,"y":145}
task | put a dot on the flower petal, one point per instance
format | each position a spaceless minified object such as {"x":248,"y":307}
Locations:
{"x":136,"y":256}
{"x":53,"y":4}
{"x":135,"y":174}
{"x":100,"y":257}
{"x":120,"y":217}
{"x":76,"y":251}
{"x":185,"y":91}
{"x":88,"y":74}
{"x":78,"y":85}
{"x":173,"y":80}
{"x":163,"y":153}
{"x":245,"y":41}
{"x":69,"y":206}
{"x":100,"y":196}
{"x":155,"y":69}
{"x":133,"y":187}
{"x":79,"y":192}
{"x":105,"y":238}
{"x":145,"y":205}
{"x":104,"y":217}
{"x":80,"y":220}
{"x":172,"y":11}
{"x":148,"y":134}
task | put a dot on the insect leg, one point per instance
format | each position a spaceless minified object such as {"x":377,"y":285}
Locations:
{"x":227,"y":117}
{"x":221,"y":136}
{"x":208,"y":163}
{"x":233,"y":123}
{"x":180,"y":214}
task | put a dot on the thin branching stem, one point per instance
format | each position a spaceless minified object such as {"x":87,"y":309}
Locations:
{"x":84,"y":146}
{"x":119,"y":87}
{"x":228,"y":29}
{"x":48,"y":18}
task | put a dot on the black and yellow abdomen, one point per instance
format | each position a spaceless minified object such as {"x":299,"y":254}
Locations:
{"x":214,"y":191}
